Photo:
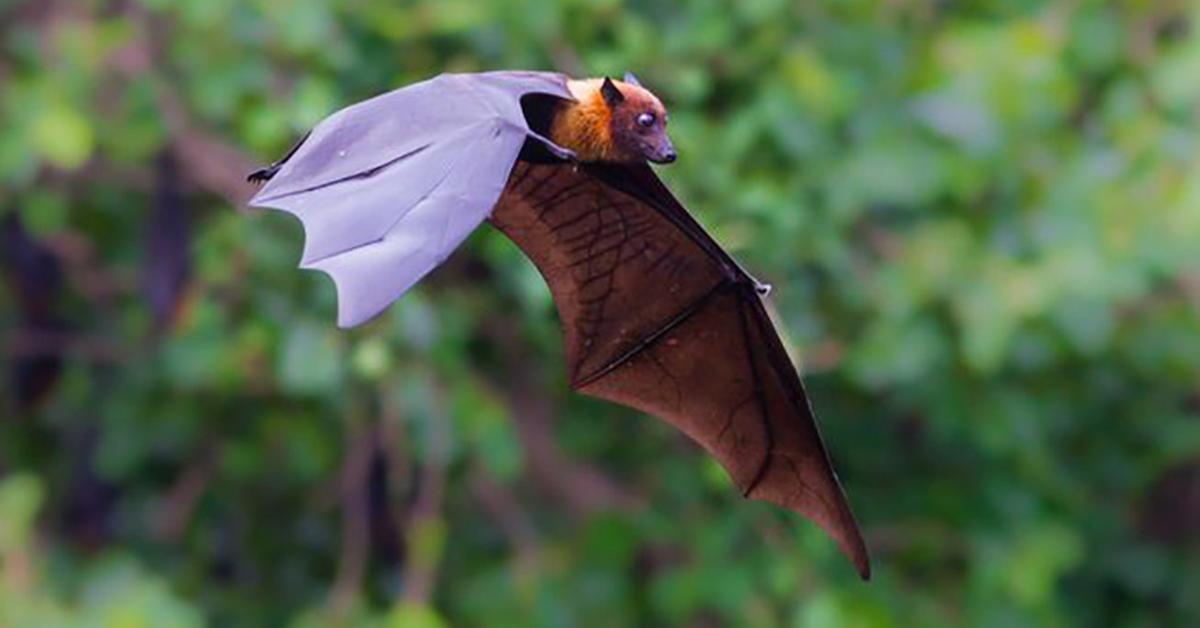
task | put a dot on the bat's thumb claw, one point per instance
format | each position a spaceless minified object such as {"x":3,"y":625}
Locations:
{"x":564,"y":153}
{"x":558,"y":151}
{"x":763,"y":289}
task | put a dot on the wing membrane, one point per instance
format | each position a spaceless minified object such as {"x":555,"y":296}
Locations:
{"x":388,"y":187}
{"x":657,"y":317}
{"x":371,"y":275}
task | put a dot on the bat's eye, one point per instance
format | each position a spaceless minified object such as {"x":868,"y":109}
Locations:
{"x":645,"y":120}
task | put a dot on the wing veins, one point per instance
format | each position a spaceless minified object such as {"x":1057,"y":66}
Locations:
{"x":773,"y":358}
{"x":759,"y":394}
{"x":431,"y":192}
{"x":685,"y":223}
{"x":365,"y":174}
{"x":654,"y":336}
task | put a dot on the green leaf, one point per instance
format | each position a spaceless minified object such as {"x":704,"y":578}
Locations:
{"x":62,"y":135}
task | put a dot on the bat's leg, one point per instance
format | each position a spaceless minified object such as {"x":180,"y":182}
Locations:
{"x":263,"y":175}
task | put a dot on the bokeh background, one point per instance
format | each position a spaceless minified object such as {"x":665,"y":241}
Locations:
{"x":982,"y":220}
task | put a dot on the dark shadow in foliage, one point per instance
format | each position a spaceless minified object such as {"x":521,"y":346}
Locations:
{"x":34,"y":277}
{"x":167,"y":270}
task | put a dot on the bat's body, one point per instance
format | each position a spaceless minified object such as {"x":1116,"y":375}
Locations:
{"x":655,"y":315}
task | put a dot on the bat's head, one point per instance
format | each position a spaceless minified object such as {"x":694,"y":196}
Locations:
{"x":637,"y":122}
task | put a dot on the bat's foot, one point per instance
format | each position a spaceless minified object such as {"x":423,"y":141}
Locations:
{"x":262,"y":175}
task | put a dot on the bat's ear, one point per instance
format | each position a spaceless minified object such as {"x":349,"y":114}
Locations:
{"x":611,"y":94}
{"x":631,"y":79}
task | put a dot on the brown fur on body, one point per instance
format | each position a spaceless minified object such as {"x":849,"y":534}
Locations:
{"x":597,"y":130}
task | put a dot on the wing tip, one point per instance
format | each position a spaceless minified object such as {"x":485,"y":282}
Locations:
{"x":855,"y":550}
{"x":846,"y":535}
{"x":849,"y":540}
{"x":864,"y":571}
{"x":831,"y":514}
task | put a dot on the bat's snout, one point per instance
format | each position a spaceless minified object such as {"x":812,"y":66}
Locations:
{"x":664,"y":153}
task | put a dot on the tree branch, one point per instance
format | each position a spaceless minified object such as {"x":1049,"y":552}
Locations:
{"x":582,"y":488}
{"x":352,"y":560}
{"x":423,"y":536}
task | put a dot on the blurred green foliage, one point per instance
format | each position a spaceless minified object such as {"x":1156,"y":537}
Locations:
{"x":982,"y":219}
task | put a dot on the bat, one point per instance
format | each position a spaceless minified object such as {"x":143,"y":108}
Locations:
{"x":655,"y":315}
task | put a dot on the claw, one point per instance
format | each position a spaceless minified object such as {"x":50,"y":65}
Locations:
{"x":565,"y":154}
{"x":262,"y":175}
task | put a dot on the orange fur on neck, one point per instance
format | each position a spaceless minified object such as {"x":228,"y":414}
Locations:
{"x":584,"y":125}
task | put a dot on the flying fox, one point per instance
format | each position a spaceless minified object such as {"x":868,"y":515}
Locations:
{"x":655,"y":315}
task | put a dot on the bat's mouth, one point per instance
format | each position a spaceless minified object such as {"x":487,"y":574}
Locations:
{"x":657,"y":149}
{"x":664,"y":158}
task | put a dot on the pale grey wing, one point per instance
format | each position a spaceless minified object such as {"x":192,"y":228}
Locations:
{"x":370,"y":276}
{"x":387,"y":188}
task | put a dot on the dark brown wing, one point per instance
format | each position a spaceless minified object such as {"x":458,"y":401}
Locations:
{"x":657,"y":317}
